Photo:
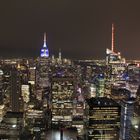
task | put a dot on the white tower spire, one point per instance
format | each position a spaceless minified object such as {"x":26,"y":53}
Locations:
{"x":60,"y":55}
{"x":45,"y":40}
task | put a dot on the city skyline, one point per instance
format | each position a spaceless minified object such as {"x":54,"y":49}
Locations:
{"x":58,"y":98}
{"x":82,"y":30}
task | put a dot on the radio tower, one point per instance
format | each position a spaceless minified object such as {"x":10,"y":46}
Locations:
{"x":112,"y":45}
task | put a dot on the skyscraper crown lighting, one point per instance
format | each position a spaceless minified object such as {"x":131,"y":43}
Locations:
{"x":44,"y":51}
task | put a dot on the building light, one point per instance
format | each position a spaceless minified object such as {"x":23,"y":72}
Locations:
{"x":14,"y":126}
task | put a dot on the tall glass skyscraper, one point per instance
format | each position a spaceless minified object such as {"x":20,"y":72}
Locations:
{"x":126,"y":118}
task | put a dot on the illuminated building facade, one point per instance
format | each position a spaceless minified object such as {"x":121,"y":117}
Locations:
{"x":114,"y":60}
{"x":15,"y":90}
{"x":92,"y":90}
{"x":32,"y":78}
{"x":63,"y":90}
{"x":103,"y":119}
{"x":78,"y":109}
{"x":1,"y":87}
{"x":44,"y":51}
{"x":113,"y":57}
{"x":25,"y":93}
{"x":35,"y":120}
{"x":126,"y":118}
{"x":14,"y":75}
{"x":6,"y":82}
{"x":32,"y":75}
{"x":100,"y":85}
{"x":116,"y":65}
{"x":10,"y":127}
{"x":42,"y":72}
{"x":133,"y":72}
{"x":2,"y":111}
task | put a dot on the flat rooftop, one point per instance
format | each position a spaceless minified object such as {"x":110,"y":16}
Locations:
{"x":101,"y":101}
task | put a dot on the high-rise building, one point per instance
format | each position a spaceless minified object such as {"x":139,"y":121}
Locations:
{"x":2,"y":111}
{"x":100,"y":85}
{"x":126,"y":118}
{"x":15,"y":90}
{"x":115,"y":65}
{"x":42,"y":72}
{"x":113,"y":57}
{"x":1,"y":87}
{"x":63,"y":90}
{"x":103,"y":119}
{"x":13,"y":77}
{"x":32,"y":72}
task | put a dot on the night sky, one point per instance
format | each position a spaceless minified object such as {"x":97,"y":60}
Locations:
{"x":81,"y":28}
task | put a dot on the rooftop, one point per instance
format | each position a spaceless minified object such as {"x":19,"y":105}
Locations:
{"x":101,"y":101}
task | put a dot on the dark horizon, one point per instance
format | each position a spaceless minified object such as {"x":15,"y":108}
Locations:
{"x":81,"y":29}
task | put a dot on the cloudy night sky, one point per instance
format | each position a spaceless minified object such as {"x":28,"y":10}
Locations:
{"x":82,"y":29}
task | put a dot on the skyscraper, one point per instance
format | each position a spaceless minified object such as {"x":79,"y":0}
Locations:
{"x":63,"y":90}
{"x":15,"y":90}
{"x":126,"y":118}
{"x":100,"y":85}
{"x":115,"y":64}
{"x":42,"y":71}
{"x":1,"y":87}
{"x":103,"y":119}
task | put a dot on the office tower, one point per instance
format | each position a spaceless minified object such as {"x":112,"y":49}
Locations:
{"x":25,"y":92}
{"x":133,"y":78}
{"x":39,"y":88}
{"x":24,"y":73}
{"x":6,"y":83}
{"x":78,"y":108}
{"x":103,"y":119}
{"x":32,"y":78}
{"x":100,"y":85}
{"x":3,"y":107}
{"x":1,"y":87}
{"x":63,"y":90}
{"x":115,"y":60}
{"x":15,"y":89}
{"x":35,"y":120}
{"x":11,"y":87}
{"x":92,"y":90}
{"x":32,"y":75}
{"x":116,"y":65}
{"x":42,"y":72}
{"x":2,"y":111}
{"x":126,"y":118}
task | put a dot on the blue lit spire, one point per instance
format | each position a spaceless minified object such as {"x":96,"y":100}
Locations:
{"x":44,"y":51}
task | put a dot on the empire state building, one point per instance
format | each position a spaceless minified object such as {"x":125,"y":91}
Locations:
{"x":42,"y":71}
{"x":44,"y":51}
